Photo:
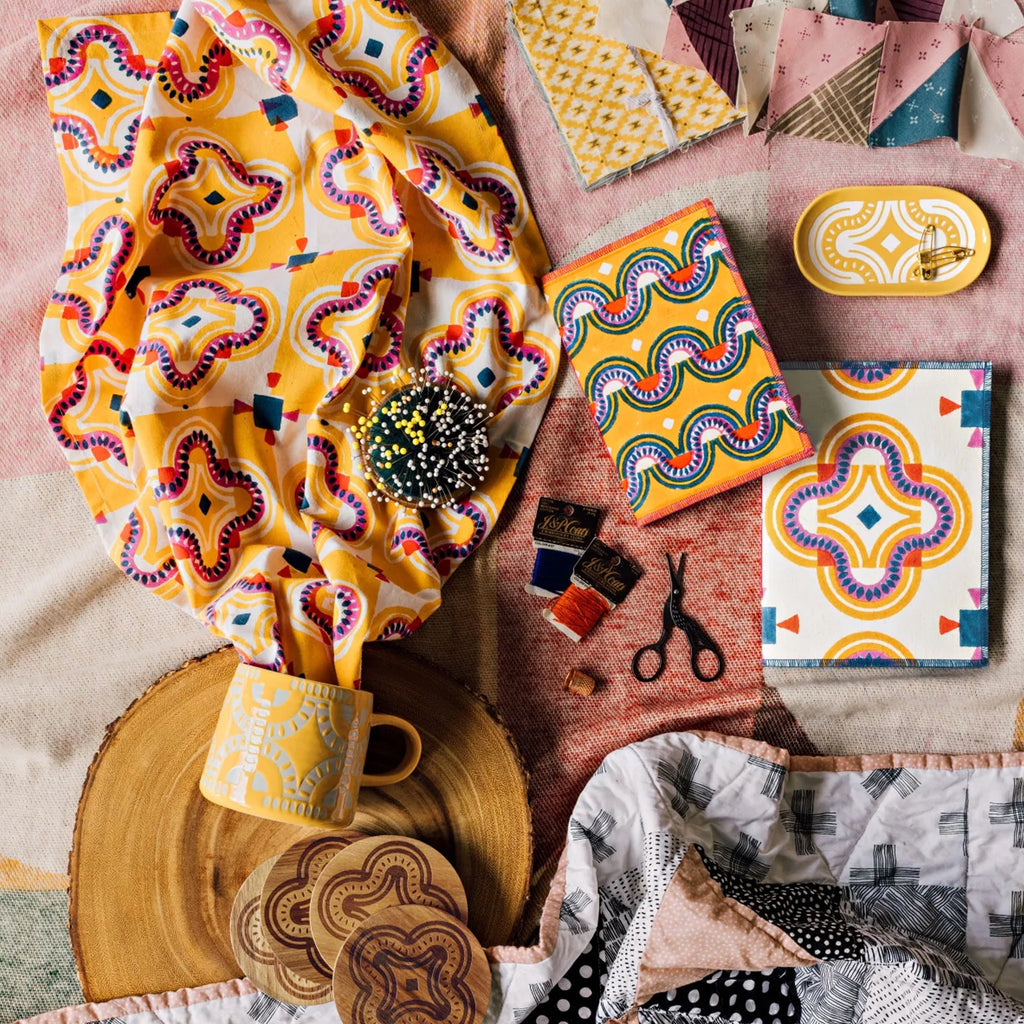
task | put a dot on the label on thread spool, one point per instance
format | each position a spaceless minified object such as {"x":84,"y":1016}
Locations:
{"x":601,"y":580}
{"x":603,"y":569}
{"x":564,"y":526}
{"x":562,"y":530}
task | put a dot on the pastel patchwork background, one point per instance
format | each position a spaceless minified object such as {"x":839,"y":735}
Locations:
{"x":68,"y":670}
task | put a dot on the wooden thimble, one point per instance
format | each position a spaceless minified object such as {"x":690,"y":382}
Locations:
{"x":578,"y":682}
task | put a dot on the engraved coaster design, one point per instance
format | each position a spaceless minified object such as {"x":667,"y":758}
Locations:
{"x":254,"y":954}
{"x":374,"y":874}
{"x":285,"y":907}
{"x":412,"y":965}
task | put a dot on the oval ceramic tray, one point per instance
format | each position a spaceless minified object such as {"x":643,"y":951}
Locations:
{"x":867,"y":240}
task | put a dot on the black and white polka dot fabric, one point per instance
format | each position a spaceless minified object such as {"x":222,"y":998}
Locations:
{"x":743,"y":997}
{"x":574,"y":999}
{"x":809,"y":913}
{"x":762,"y":997}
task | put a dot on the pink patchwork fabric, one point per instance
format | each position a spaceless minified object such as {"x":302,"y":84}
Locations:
{"x":829,"y":65}
{"x":914,"y":52}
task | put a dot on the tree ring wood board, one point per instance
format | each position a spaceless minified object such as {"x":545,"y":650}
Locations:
{"x":155,"y":867}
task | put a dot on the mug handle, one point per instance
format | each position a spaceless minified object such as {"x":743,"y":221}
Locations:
{"x":413,"y":749}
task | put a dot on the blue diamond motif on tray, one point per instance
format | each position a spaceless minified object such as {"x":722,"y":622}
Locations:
{"x":486,"y":376}
{"x":214,"y":198}
{"x":191,"y":321}
{"x":100,"y":98}
{"x":373,"y":48}
{"x":204,"y":504}
{"x":868,"y":516}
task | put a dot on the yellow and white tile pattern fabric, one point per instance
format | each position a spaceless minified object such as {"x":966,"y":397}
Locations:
{"x":616,"y":107}
{"x":273,"y":206}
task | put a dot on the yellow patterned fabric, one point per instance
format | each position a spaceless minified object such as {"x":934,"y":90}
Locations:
{"x":273,"y":206}
{"x":615,"y":107}
{"x":675,"y":364}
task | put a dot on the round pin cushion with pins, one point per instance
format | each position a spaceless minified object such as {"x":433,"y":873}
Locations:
{"x":424,"y":444}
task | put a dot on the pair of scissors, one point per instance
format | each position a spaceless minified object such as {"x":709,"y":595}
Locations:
{"x":673,"y":617}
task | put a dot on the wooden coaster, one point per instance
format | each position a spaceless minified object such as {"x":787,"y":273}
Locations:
{"x":374,"y":874}
{"x":284,"y":904}
{"x":253,"y":952}
{"x":149,"y":912}
{"x":412,"y":965}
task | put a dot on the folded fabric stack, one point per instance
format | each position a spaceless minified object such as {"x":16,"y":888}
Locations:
{"x":617,"y":103}
{"x":629,"y":81}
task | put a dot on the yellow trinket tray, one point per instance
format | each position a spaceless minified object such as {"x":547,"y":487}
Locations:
{"x":892,"y":240}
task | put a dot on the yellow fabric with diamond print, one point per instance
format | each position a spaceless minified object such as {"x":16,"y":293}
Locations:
{"x":615,"y":107}
{"x":245,"y":184}
{"x":672,"y":357}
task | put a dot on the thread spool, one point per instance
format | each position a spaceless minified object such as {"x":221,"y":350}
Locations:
{"x":576,"y":612}
{"x":552,"y":572}
{"x":579,"y":683}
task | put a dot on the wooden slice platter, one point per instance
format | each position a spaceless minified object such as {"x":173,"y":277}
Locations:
{"x":373,"y":874}
{"x":412,"y":965}
{"x":155,"y":867}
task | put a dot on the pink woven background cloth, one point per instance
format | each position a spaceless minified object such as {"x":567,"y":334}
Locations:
{"x":66,"y":671}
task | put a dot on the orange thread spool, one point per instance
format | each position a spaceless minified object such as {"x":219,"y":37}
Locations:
{"x":577,"y":611}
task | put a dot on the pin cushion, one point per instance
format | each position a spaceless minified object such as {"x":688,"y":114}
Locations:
{"x":424,"y":444}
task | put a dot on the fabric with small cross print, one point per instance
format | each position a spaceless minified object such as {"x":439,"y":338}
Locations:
{"x":710,"y":878}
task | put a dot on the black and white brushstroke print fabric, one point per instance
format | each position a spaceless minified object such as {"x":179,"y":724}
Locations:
{"x":898,"y":878}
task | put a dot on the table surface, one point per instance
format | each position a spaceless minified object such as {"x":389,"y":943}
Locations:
{"x":67,"y":670}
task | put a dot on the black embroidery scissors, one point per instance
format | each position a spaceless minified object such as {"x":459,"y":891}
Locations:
{"x":673,"y":617}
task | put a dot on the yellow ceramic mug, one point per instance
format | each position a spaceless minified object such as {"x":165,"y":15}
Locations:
{"x":292,"y":749}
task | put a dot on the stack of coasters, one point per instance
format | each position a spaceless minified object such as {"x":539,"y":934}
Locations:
{"x":376,"y":923}
{"x":675,"y":364}
{"x":876,"y":553}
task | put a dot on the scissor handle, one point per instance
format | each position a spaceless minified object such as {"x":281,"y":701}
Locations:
{"x":707,"y":677}
{"x":700,"y":642}
{"x":658,"y":649}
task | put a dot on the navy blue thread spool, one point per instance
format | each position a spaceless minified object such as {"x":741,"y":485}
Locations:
{"x":561,"y":532}
{"x":552,"y":572}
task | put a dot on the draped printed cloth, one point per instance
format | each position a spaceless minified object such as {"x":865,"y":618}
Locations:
{"x":272,"y":208}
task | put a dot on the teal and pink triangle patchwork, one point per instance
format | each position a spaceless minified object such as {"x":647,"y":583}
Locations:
{"x":918,"y":93}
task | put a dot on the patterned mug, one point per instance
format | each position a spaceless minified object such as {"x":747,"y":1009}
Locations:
{"x":291,"y":749}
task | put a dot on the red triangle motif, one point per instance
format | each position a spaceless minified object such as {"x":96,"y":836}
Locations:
{"x":946,"y":406}
{"x":947,"y":625}
{"x":792,"y":624}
